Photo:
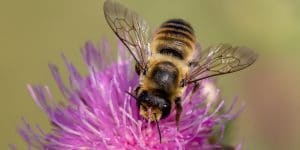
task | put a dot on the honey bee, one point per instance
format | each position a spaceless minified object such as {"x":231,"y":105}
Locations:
{"x":166,"y":63}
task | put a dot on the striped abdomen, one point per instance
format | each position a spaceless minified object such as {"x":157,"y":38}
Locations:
{"x":176,"y":38}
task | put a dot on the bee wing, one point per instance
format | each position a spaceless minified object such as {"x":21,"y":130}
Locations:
{"x":220,"y":59}
{"x":131,"y":29}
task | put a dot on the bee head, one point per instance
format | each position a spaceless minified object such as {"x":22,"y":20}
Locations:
{"x":152,"y":106}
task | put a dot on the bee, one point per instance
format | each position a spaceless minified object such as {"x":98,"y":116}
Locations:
{"x":167,"y":62}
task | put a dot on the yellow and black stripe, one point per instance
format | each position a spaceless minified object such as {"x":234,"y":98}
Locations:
{"x":175,"y":37}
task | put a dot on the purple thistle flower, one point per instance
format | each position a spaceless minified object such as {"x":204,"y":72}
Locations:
{"x":100,"y":115}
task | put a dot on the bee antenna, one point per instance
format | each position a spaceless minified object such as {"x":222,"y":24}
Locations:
{"x":157,"y":127}
{"x":131,"y":95}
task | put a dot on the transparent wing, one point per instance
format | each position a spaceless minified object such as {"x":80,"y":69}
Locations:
{"x":131,"y":29}
{"x":220,"y":59}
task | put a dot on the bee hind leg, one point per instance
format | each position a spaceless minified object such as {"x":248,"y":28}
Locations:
{"x":178,"y":111}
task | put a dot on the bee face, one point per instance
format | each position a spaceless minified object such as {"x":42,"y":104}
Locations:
{"x":153,"y":106}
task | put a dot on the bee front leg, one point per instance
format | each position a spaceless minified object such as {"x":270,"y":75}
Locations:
{"x":178,"y":108}
{"x":134,"y":95}
{"x":136,"y":91}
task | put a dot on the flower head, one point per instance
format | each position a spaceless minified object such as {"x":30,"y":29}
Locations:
{"x":99,"y":114}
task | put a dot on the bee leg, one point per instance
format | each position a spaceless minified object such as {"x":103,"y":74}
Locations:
{"x":137,"y":69}
{"x":195,"y":88}
{"x":136,"y":91}
{"x":178,"y":111}
{"x":193,"y":64}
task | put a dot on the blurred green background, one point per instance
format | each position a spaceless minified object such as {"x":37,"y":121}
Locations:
{"x":35,"y":32}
